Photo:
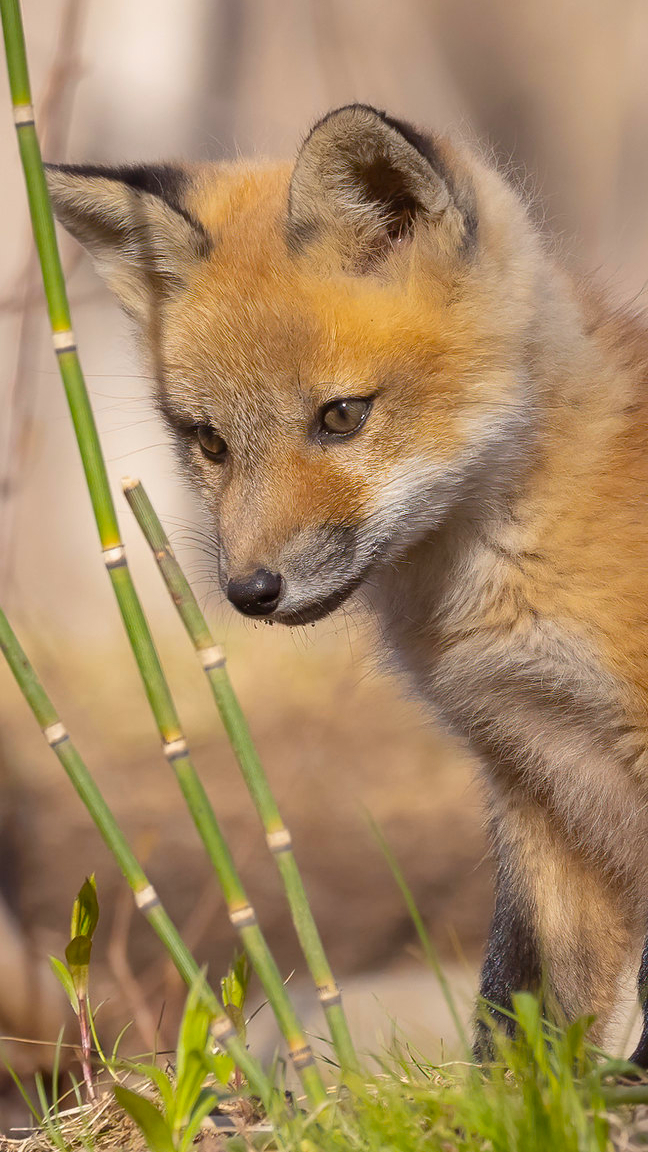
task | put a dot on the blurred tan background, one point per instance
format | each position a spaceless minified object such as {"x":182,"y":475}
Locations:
{"x":557,"y":92}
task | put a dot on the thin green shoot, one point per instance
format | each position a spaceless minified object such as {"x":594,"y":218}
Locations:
{"x":49,"y":1118}
{"x":75,"y":974}
{"x":428,"y":950}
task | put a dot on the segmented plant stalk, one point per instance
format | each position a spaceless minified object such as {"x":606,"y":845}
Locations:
{"x":144,"y":893}
{"x":175,"y":747}
{"x":278,"y":838}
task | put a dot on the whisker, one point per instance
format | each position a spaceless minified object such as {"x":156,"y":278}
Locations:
{"x":121,"y":428}
{"x":136,"y":451}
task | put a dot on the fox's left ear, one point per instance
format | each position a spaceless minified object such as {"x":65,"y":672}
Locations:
{"x":366,"y":179}
{"x":136,"y":226}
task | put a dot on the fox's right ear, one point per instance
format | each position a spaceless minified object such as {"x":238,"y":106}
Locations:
{"x":134,"y":223}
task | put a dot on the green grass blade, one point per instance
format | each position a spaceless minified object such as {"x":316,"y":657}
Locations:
{"x":147,"y":1117}
{"x":428,"y":950}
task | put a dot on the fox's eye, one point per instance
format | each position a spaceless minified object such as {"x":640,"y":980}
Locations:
{"x":211,"y":443}
{"x":344,"y":416}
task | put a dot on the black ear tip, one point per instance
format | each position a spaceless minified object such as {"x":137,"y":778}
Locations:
{"x":166,"y":182}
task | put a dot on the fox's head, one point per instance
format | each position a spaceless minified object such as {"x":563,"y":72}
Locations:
{"x":337,"y":343}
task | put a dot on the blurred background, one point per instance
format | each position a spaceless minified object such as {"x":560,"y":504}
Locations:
{"x":556,"y":91}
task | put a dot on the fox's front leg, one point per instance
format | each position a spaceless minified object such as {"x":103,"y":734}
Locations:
{"x":640,"y":1054}
{"x":512,"y":962}
{"x":560,"y":927}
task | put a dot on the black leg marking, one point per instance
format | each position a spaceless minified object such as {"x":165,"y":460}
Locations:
{"x":512,"y":961}
{"x":640,"y":1054}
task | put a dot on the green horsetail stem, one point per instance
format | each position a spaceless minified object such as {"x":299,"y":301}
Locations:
{"x":146,"y":898}
{"x":278,"y":838}
{"x":136,"y":625}
{"x":55,"y":291}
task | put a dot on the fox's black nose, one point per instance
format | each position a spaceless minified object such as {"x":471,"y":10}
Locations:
{"x":256,"y":595}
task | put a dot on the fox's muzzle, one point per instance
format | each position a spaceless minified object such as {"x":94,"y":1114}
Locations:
{"x":309,"y":577}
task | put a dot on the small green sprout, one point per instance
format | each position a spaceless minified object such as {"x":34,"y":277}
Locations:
{"x":75,"y":975}
{"x":234,"y":989}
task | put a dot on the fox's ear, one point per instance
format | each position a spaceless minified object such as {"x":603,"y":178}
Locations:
{"x":134,"y":223}
{"x":366,"y":178}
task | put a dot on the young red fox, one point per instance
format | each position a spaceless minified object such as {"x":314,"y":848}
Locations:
{"x":379,"y":381}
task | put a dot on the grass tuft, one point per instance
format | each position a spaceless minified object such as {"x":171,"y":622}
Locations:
{"x":546,"y":1091}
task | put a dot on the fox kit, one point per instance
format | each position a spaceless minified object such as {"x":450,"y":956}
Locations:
{"x":380,"y":383}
